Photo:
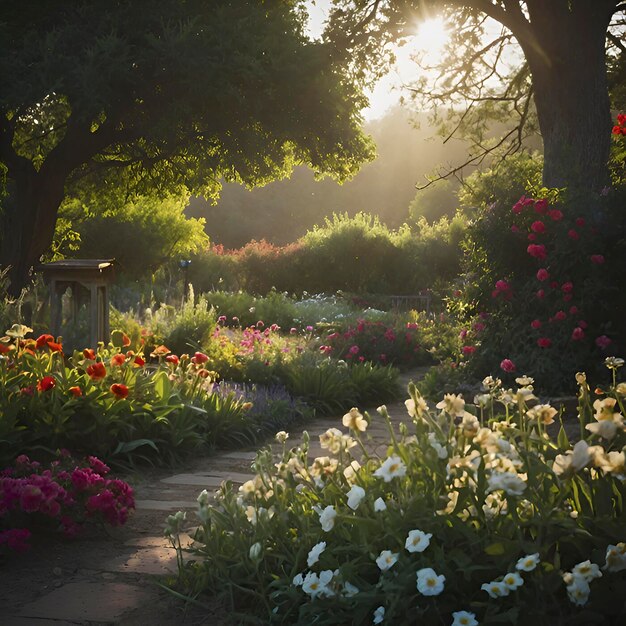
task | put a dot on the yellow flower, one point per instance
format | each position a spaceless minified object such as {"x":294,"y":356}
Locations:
{"x":354,"y":420}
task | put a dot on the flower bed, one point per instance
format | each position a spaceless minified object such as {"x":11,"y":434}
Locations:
{"x":474,"y":515}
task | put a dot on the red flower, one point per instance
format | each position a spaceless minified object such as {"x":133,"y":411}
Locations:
{"x":4,"y":348}
{"x":119,"y":391}
{"x":537,"y":250}
{"x":76,"y":391}
{"x":578,"y":333}
{"x":532,"y":237}
{"x":46,"y":383}
{"x":125,"y":340}
{"x":199,"y":357}
{"x":97,"y":371}
{"x":542,"y":274}
{"x":603,"y":342}
{"x":468,"y":349}
{"x":572,"y":234}
{"x":535,"y":324}
{"x":118,"y":359}
{"x":580,"y":221}
{"x":541,"y":206}
{"x":172,"y":358}
{"x":560,"y":316}
{"x":567,"y":287}
{"x":573,"y":310}
{"x":90,"y":354}
{"x":538,"y":227}
{"x":582,"y":323}
{"x":42,"y":341}
{"x":544,"y":342}
{"x":507,"y":365}
{"x":598,"y":259}
{"x":555,"y":214}
{"x":139,"y":361}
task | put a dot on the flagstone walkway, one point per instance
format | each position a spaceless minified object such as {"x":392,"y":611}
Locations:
{"x":113,"y":580}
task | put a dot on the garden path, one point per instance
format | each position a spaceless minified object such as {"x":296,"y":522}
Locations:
{"x":114,"y":580}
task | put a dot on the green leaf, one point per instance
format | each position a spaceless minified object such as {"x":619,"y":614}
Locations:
{"x":123,"y":447}
{"x":162,"y":385}
{"x":495,"y":549}
{"x":562,"y":439}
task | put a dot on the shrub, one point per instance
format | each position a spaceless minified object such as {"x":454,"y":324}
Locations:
{"x":475,"y":513}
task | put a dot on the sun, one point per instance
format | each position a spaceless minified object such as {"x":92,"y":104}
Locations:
{"x":431,"y":37}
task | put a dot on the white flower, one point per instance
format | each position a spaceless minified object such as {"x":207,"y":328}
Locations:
{"x":453,"y":405}
{"x":417,"y":541}
{"x":379,"y":615}
{"x":351,"y":470}
{"x":429,"y":583}
{"x":605,"y":428}
{"x":587,"y":570}
{"x":416,"y":409}
{"x":335,"y":441}
{"x":314,"y":553}
{"x":528,"y":563}
{"x":355,"y":495}
{"x":573,"y":460}
{"x":577,"y":589}
{"x":513,"y":580}
{"x":393,"y":467}
{"x":314,"y":585}
{"x":386,"y":560}
{"x":379,"y":505}
{"x":297,"y":580}
{"x":464,"y":618}
{"x":495,"y":589}
{"x":354,"y":420}
{"x":203,"y":498}
{"x":349,"y":590}
{"x":327,"y":517}
{"x":524,"y":381}
{"x":441,"y":451}
{"x":469,"y":425}
{"x":615,"y":558}
{"x":543,"y":413}
{"x":510,"y":483}
{"x":281,"y":436}
{"x":255,"y":551}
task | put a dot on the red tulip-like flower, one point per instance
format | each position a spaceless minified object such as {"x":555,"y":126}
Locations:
{"x":118,"y":359}
{"x":507,"y":365}
{"x":46,"y":383}
{"x":138,"y":361}
{"x":544,"y":342}
{"x":119,"y":391}
{"x":76,"y":391}
{"x":199,"y":357}
{"x":42,"y":341}
{"x":542,"y":274}
{"x":97,"y":371}
{"x":578,"y":333}
{"x":172,"y":358}
{"x":90,"y":354}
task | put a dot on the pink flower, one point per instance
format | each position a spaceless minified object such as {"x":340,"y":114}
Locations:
{"x":507,"y":365}
{"x":199,"y":357}
{"x":537,"y":250}
{"x":502,"y":285}
{"x":603,"y":342}
{"x":580,"y":221}
{"x":532,"y":237}
{"x":31,"y":498}
{"x":541,"y":293}
{"x":354,"y":350}
{"x":538,"y":227}
{"x":544,"y":342}
{"x":468,"y":349}
{"x":541,"y":206}
{"x":567,"y":287}
{"x":16,"y":539}
{"x":535,"y":324}
{"x":582,"y":323}
{"x":578,"y":333}
{"x":542,"y":274}
{"x":560,"y":316}
{"x":514,"y":229}
{"x":293,"y":331}
{"x":479,"y":326}
{"x":598,"y":259}
{"x":572,"y":234}
{"x":573,"y":310}
{"x":326,"y":349}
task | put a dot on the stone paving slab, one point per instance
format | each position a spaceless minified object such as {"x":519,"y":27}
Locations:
{"x":238,"y":456}
{"x":156,"y":541}
{"x":153,"y":561}
{"x":205,"y":479}
{"x":164,"y":505}
{"x":87,"y":601}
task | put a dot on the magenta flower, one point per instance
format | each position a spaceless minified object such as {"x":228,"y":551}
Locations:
{"x":578,"y":333}
{"x":572,"y":234}
{"x":535,"y":324}
{"x":597,"y":259}
{"x":354,"y":350}
{"x":507,"y":365}
{"x":541,"y":206}
{"x":537,"y":251}
{"x":544,"y":342}
{"x":468,"y":350}
{"x":603,"y":342}
{"x":538,"y":227}
{"x":567,"y":287}
{"x":555,"y":214}
{"x":560,"y":316}
{"x":543,"y":274}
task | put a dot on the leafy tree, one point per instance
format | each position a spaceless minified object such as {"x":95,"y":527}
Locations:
{"x":162,"y":97}
{"x":562,"y":71}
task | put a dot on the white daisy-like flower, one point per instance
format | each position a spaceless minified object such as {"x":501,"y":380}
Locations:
{"x":615,"y":558}
{"x":355,"y":495}
{"x":417,"y":541}
{"x":495,"y":589}
{"x":429,"y":583}
{"x":393,"y":467}
{"x":386,"y":560}
{"x":314,"y":553}
{"x":587,"y":570}
{"x":513,"y":580}
{"x":327,"y":517}
{"x":577,"y":589}
{"x":528,"y":563}
{"x":464,"y":618}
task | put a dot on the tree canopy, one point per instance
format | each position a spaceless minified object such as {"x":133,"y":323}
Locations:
{"x":177,"y":95}
{"x":560,"y":80}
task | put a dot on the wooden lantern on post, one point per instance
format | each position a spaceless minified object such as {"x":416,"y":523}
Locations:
{"x":86,"y":282}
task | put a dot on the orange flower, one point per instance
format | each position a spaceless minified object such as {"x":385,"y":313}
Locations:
{"x":118,"y":359}
{"x":89,"y":353}
{"x":4,"y":348}
{"x":160,"y":351}
{"x":125,"y":340}
{"x":76,"y":391}
{"x":46,"y":383}
{"x":43,"y":340}
{"x":119,"y":391}
{"x":97,"y":371}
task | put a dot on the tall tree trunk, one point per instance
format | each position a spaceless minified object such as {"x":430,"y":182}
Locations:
{"x":568,"y":69}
